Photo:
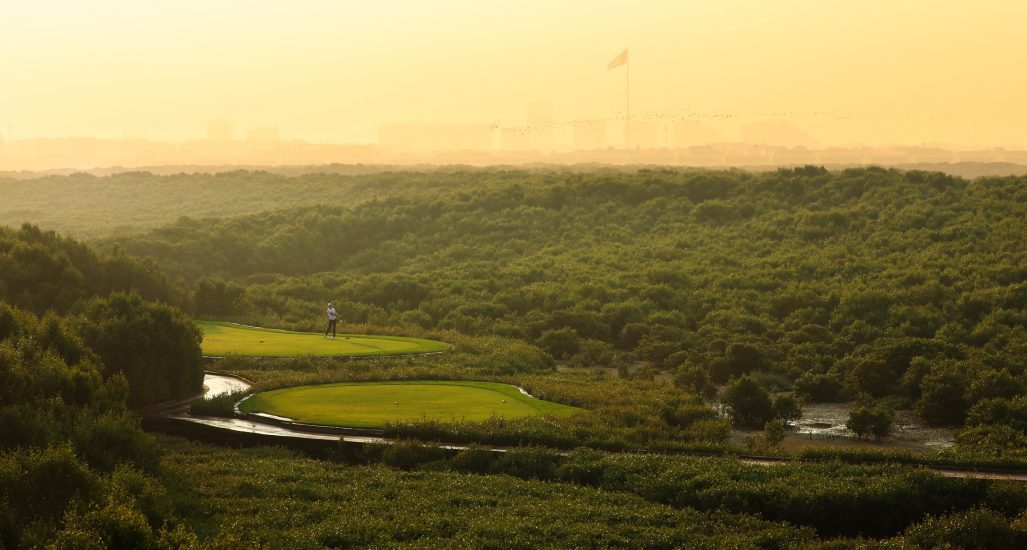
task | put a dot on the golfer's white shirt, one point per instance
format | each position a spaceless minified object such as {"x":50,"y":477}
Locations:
{"x":331,"y":314}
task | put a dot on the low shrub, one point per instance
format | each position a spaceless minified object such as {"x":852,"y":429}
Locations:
{"x":975,"y":528}
{"x":220,"y":405}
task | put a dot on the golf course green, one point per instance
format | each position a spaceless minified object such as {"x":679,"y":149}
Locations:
{"x":372,"y":404}
{"x":224,"y":339}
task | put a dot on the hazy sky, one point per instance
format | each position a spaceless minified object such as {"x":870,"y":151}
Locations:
{"x":844,"y":71}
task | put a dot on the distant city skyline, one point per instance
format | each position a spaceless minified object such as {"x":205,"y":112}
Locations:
{"x":649,"y":130}
{"x":840,"y":73}
{"x":477,"y":145}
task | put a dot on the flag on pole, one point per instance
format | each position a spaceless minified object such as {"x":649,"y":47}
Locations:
{"x":621,"y":59}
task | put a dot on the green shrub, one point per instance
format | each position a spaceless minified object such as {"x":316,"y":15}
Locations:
{"x":156,"y":347}
{"x":407,"y":455}
{"x":116,"y":525}
{"x":108,"y":440}
{"x":38,"y":485}
{"x":787,"y":407}
{"x":976,"y":528}
{"x":876,"y":420}
{"x":474,"y":459}
{"x":222,"y":405}
{"x":943,"y":394}
{"x":73,"y":459}
{"x":768,"y":441}
{"x":1008,"y":412}
{"x":820,"y":388}
{"x":528,"y":463}
{"x":749,"y":403}
{"x":42,"y":271}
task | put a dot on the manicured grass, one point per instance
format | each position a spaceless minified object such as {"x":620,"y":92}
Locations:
{"x":221,"y":339}
{"x":372,"y":404}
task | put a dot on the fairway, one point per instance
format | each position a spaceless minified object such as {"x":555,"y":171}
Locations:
{"x":372,"y":404}
{"x":224,"y":339}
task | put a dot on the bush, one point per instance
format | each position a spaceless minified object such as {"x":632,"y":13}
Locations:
{"x":714,"y":212}
{"x":943,"y":395}
{"x":768,"y":441}
{"x":787,"y":407}
{"x":528,"y":463}
{"x":215,"y":297}
{"x":149,"y":496}
{"x":474,"y":459}
{"x":1008,"y":412}
{"x":222,"y":405}
{"x":156,"y":347}
{"x":40,"y":483}
{"x":876,"y":420}
{"x":992,"y":441}
{"x":738,"y":359}
{"x":583,"y":467}
{"x":820,"y":388}
{"x":69,"y":448}
{"x":683,"y":413}
{"x":749,"y":403}
{"x":108,"y":440}
{"x":41,"y":271}
{"x":976,"y":528}
{"x":1019,"y":526}
{"x":115,"y":525}
{"x":858,"y":456}
{"x":694,"y":379}
{"x":407,"y":455}
{"x":560,"y":343}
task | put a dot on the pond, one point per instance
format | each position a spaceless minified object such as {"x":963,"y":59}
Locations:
{"x":216,"y":384}
{"x":827,"y":421}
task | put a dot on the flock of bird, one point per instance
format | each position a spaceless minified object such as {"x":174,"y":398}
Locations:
{"x":688,"y":115}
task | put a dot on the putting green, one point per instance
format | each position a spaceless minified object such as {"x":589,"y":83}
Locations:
{"x":372,"y":404}
{"x":220,"y":339}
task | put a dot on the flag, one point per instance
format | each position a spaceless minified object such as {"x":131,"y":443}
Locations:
{"x":621,"y":59}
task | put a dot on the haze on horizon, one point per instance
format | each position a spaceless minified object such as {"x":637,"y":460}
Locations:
{"x":844,"y":72}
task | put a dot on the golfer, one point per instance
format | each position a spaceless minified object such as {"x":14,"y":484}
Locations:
{"x":332,"y":317}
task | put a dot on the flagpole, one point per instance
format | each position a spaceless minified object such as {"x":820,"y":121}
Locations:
{"x":627,"y":101}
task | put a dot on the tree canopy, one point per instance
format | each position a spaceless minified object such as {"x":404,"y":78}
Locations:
{"x":844,"y":282}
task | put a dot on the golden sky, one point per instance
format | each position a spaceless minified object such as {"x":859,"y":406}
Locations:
{"x":843,"y":71}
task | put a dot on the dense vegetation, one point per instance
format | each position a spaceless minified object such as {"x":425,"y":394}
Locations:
{"x":155,"y":346}
{"x":910,"y":287}
{"x":620,"y":413}
{"x":834,"y":499}
{"x":85,"y":205}
{"x":278,"y":499}
{"x":41,"y":271}
{"x":475,"y":499}
{"x":636,"y":296}
{"x":112,"y":303}
{"x":74,"y":466}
